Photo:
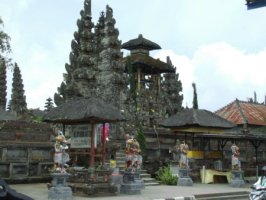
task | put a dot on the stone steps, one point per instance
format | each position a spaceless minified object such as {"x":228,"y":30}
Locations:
{"x":223,"y":196}
{"x":148,"y":181}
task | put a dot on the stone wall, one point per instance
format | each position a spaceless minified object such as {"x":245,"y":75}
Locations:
{"x":26,"y":151}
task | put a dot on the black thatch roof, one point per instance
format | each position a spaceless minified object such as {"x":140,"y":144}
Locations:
{"x":198,"y":117}
{"x":6,"y":116}
{"x":149,"y":65}
{"x":84,"y":111}
{"x":140,"y":43}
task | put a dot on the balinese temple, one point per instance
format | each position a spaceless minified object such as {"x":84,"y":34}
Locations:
{"x":146,"y":79}
{"x":145,"y":89}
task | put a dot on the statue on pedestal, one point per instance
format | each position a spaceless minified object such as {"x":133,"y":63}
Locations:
{"x":132,"y":182}
{"x":133,"y":156}
{"x":236,"y":165}
{"x":60,"y":156}
{"x":59,"y":188}
{"x":183,"y":161}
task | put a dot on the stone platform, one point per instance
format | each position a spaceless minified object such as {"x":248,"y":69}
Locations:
{"x":132,"y":183}
{"x":237,"y":178}
{"x":184,"y":179}
{"x":59,"y":189}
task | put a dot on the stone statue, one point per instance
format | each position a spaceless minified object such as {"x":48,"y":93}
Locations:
{"x":133,"y":156}
{"x":183,"y":161}
{"x":236,"y":165}
{"x":60,"y":156}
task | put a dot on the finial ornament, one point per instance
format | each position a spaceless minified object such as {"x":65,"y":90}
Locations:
{"x":109,"y":12}
{"x":87,"y":7}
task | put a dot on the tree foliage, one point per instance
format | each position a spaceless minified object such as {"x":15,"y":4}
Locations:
{"x":3,"y":84}
{"x":4,"y":42}
{"x":49,"y":104}
{"x":18,"y":99}
{"x":4,"y":62}
{"x":141,"y":138}
{"x":165,"y":176}
{"x":195,"y":97}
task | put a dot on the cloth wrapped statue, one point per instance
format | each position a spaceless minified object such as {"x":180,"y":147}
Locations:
{"x":60,"y":156}
{"x":183,"y":161}
{"x":236,"y":165}
{"x":133,"y":156}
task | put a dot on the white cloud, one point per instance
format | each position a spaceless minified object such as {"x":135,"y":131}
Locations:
{"x":221,"y":73}
{"x":40,"y":40}
{"x":41,"y":69}
{"x":185,"y":69}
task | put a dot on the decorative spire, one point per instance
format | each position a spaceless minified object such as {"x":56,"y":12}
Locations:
{"x":87,"y":7}
{"x":109,"y":12}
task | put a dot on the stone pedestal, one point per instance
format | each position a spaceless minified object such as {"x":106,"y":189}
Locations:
{"x":59,"y":189}
{"x":132,"y":183}
{"x":184,"y":178}
{"x":237,"y":178}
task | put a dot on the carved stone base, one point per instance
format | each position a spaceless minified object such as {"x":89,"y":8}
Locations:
{"x":184,"y":178}
{"x":185,"y":182}
{"x":59,"y":189}
{"x":58,"y":193}
{"x":132,"y":183}
{"x":237,"y":179}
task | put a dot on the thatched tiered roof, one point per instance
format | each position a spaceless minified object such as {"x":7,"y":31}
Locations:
{"x":84,"y":111}
{"x":196,"y":117}
{"x":140,"y":43}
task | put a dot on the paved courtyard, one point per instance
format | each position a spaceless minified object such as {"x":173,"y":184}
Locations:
{"x":39,"y":191}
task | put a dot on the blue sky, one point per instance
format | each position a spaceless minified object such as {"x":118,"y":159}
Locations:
{"x":218,"y":44}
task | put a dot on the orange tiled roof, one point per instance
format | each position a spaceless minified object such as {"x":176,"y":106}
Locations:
{"x":240,"y":112}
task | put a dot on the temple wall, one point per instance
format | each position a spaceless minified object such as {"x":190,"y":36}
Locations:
{"x":201,"y":154}
{"x":26,"y":151}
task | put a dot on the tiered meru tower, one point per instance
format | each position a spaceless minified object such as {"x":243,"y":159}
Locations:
{"x":146,"y":89}
{"x":151,"y":82}
{"x":96,"y":68}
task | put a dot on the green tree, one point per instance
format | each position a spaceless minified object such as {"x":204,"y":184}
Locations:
{"x":4,"y":62}
{"x":165,"y":176}
{"x":195,"y":97}
{"x":3,"y":84}
{"x":18,"y":99}
{"x":141,"y":138}
{"x":49,"y":104}
{"x":4,"y":41}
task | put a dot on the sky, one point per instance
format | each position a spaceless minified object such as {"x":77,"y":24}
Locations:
{"x":218,"y":44}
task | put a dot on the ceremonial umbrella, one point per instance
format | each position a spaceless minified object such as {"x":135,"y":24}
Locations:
{"x":85,"y":111}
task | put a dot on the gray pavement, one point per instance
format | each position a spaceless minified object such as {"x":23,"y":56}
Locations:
{"x":39,"y":191}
